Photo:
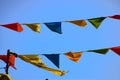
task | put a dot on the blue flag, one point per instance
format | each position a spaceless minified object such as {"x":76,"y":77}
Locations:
{"x":54,"y":26}
{"x":54,"y":58}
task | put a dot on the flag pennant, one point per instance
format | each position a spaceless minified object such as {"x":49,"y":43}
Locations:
{"x":40,"y":64}
{"x":11,"y":60}
{"x":31,"y":58}
{"x":74,"y":56}
{"x":35,"y":27}
{"x":54,"y":26}
{"x":81,"y":23}
{"x":54,"y":58}
{"x":101,"y":51}
{"x":115,"y":17}
{"x":14,"y":26}
{"x":54,"y":71}
{"x":116,"y":50}
{"x":96,"y":21}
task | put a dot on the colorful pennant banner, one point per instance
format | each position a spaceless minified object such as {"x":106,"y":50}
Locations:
{"x":56,"y":26}
{"x":54,"y":58}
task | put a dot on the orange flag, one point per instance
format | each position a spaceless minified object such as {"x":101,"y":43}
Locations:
{"x":81,"y":23}
{"x":11,"y":60}
{"x":74,"y":56}
{"x":14,"y":26}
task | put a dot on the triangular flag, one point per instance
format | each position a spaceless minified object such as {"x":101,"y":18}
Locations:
{"x":54,"y":58}
{"x":74,"y":56}
{"x":116,"y":50}
{"x":40,"y":64}
{"x":5,"y":77}
{"x":35,"y":27}
{"x":14,"y":26}
{"x":32,"y":58}
{"x":54,"y":26}
{"x":81,"y":23}
{"x":96,"y":21}
{"x":115,"y":17}
{"x":11,"y":60}
{"x":101,"y":51}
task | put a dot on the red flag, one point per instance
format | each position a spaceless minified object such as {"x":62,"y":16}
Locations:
{"x":11,"y":60}
{"x":116,"y":50}
{"x":115,"y":16}
{"x":14,"y":26}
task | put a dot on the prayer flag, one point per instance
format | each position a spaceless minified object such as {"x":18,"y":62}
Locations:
{"x":54,"y":26}
{"x":96,"y":21}
{"x":33,"y":58}
{"x":11,"y":60}
{"x":116,"y":50}
{"x":14,"y":26}
{"x":115,"y":17}
{"x":54,"y":58}
{"x":74,"y":56}
{"x":81,"y":23}
{"x":35,"y":27}
{"x":40,"y":64}
{"x":101,"y":51}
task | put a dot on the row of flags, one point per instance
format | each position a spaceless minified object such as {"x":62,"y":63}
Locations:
{"x":35,"y":60}
{"x":56,"y":26}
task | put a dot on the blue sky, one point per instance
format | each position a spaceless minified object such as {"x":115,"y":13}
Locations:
{"x":91,"y":66}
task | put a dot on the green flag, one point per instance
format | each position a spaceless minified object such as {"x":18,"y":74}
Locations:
{"x":96,"y":21}
{"x":101,"y":51}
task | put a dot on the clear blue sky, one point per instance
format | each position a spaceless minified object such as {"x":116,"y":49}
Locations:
{"x":91,"y":66}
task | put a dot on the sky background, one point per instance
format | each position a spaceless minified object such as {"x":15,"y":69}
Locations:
{"x":91,"y":66}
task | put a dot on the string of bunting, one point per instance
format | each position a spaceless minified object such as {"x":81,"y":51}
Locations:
{"x":56,"y":26}
{"x":35,"y":60}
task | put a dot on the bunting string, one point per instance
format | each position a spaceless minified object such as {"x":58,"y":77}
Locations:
{"x":75,"y":56}
{"x":102,"y":50}
{"x":35,"y":60}
{"x":56,"y":26}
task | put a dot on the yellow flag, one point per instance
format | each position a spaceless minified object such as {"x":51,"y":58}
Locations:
{"x":54,"y":71}
{"x":35,"y":27}
{"x":31,"y":58}
{"x":5,"y":77}
{"x":74,"y":56}
{"x":81,"y":23}
{"x":38,"y":62}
